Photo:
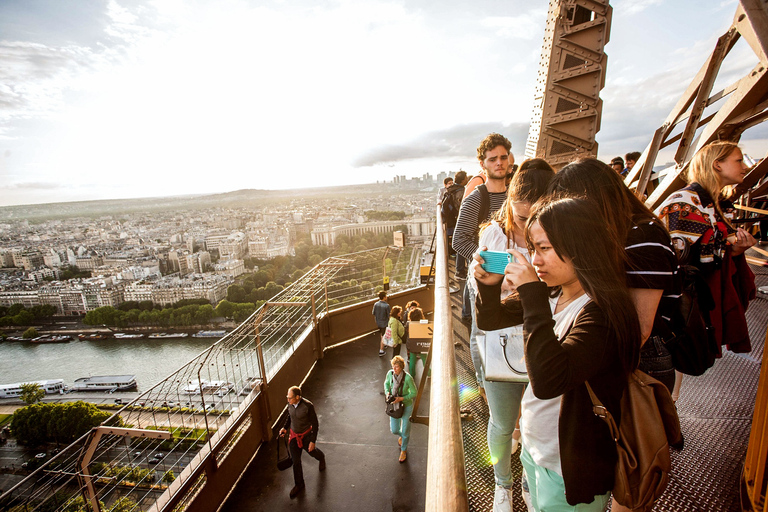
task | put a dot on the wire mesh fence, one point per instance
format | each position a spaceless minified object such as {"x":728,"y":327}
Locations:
{"x":128,"y":472}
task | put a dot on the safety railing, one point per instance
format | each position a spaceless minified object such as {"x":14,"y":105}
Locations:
{"x":446,"y":480}
{"x":158,"y":451}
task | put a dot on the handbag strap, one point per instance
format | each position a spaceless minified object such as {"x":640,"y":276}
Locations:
{"x":603,"y":413}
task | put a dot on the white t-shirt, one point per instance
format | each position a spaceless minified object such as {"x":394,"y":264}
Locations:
{"x":539,"y":418}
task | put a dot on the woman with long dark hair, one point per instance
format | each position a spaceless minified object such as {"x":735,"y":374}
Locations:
{"x":700,"y":216}
{"x":581,"y":326}
{"x":651,"y":266}
{"x":507,"y":231}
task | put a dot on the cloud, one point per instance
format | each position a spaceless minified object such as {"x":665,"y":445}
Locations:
{"x":458,"y":141}
{"x":34,"y":76}
{"x":527,"y":26}
{"x":630,"y":7}
{"x":35,"y":186}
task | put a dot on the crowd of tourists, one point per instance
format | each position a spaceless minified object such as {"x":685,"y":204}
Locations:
{"x":591,"y":293}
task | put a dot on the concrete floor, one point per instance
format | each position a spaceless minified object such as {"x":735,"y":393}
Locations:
{"x":363,"y":472}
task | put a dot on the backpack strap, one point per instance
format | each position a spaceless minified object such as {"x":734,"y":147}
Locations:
{"x":485,"y":204}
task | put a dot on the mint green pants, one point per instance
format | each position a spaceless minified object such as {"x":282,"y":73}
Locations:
{"x":547,"y":490}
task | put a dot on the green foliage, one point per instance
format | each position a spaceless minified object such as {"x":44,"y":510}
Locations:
{"x":72,"y":272}
{"x":31,"y":392}
{"x":30,"y":333}
{"x":185,"y":313}
{"x":60,"y":423}
{"x":169,"y":477}
{"x":384,"y":215}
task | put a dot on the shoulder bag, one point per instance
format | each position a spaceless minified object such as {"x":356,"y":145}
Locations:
{"x":692,"y":342}
{"x":287,"y":461}
{"x":502,"y":353}
{"x":649,"y":426}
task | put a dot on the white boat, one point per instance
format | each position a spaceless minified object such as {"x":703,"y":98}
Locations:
{"x":220,"y":387}
{"x":49,"y":386}
{"x":209,"y":334}
{"x":105,"y":383}
{"x":164,"y":335}
{"x":125,"y":336}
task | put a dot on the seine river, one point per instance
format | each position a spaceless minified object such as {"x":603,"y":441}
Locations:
{"x":149,"y":359}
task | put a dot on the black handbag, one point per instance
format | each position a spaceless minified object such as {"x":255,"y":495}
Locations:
{"x":284,"y":463}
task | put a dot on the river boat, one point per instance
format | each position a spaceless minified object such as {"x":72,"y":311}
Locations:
{"x":52,"y":338}
{"x":108,"y":383}
{"x":49,"y":386}
{"x":92,"y":337}
{"x":220,"y":387}
{"x":125,"y":336}
{"x":209,"y":334}
{"x":164,"y":335}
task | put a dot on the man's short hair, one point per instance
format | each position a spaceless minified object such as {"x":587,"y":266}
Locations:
{"x":634,"y":156}
{"x":618,"y":161}
{"x":447,"y":181}
{"x":382,"y":295}
{"x":490,"y":142}
{"x":296,"y":390}
{"x":460,"y":177}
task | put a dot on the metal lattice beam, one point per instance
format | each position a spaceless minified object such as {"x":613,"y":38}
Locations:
{"x":568,"y":107}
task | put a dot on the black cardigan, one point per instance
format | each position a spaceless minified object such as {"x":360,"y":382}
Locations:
{"x":555,"y":368}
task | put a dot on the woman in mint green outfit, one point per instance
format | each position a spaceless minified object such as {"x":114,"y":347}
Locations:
{"x":398,"y":331}
{"x":400,"y":384}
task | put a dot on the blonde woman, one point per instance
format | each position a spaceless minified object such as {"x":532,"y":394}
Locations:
{"x":700,"y":215}
{"x":399,"y":385}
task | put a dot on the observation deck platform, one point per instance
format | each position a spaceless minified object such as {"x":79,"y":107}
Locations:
{"x":363,"y":472}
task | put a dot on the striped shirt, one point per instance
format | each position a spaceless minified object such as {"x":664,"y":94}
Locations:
{"x":466,"y":232}
{"x":652,"y":264}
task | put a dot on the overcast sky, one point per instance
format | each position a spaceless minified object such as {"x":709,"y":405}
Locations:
{"x":108,"y":99}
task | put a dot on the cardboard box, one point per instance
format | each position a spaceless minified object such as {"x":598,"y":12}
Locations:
{"x":420,"y":337}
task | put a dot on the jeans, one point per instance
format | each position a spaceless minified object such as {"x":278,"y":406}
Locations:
{"x":474,"y":350}
{"x":547,"y":489}
{"x":466,"y":310}
{"x":461,"y":265}
{"x":402,"y":426}
{"x":656,"y":361}
{"x":293,"y":447}
{"x":504,"y":406}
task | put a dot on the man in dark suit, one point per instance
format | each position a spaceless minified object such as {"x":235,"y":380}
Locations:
{"x":303,"y":426}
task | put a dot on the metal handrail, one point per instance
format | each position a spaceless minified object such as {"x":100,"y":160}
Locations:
{"x":446,"y":479}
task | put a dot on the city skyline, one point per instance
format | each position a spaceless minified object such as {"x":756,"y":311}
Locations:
{"x":109,"y":99}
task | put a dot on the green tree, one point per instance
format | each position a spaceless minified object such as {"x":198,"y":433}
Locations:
{"x":30,"y":333}
{"x":41,"y":423}
{"x":24,"y":318}
{"x":169,"y":477}
{"x":31,"y":392}
{"x":225,"y":308}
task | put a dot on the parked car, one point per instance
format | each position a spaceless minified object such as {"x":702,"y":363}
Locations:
{"x":41,"y":456}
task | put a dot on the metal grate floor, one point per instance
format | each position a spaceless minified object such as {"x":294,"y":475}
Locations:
{"x":715,"y":415}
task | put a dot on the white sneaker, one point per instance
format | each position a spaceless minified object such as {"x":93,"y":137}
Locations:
{"x":502,"y":499}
